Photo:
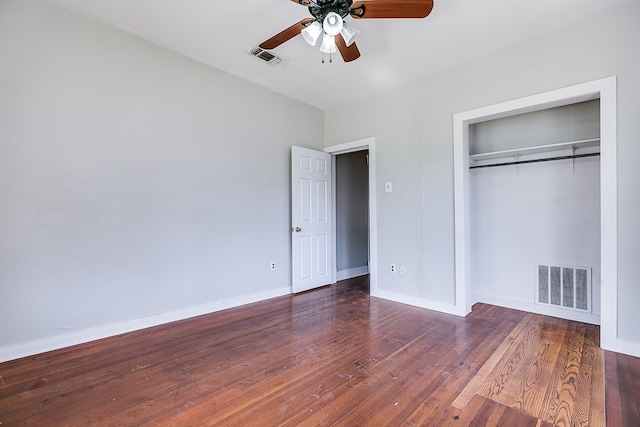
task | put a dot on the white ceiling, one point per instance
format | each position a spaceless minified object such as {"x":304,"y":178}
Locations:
{"x":221,"y":34}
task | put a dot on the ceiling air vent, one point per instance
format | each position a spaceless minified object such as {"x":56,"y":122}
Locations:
{"x":265,"y":56}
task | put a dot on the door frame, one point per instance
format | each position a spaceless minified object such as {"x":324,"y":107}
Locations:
{"x":605,"y":90}
{"x":349,"y":147}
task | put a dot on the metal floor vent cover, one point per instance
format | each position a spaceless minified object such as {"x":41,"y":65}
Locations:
{"x":564,"y":287}
{"x":265,"y":56}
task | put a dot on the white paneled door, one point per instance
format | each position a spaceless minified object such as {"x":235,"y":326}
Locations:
{"x":311,"y":216}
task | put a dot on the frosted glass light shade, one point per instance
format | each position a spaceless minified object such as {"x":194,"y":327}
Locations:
{"x":332,"y":24}
{"x":349,"y":33}
{"x":311,"y":33}
{"x":328,"y":44}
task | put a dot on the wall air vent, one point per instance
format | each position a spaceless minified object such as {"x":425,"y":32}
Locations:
{"x":564,"y":287}
{"x":265,"y":56}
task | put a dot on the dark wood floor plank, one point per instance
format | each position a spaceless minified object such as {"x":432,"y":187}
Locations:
{"x":590,"y":402}
{"x":274,"y":380}
{"x":485,"y":412}
{"x":434,"y":377}
{"x":332,"y":356}
{"x":346,"y":362}
{"x":613,"y":398}
{"x":370,"y":372}
{"x":391,"y":394}
{"x":624,"y":389}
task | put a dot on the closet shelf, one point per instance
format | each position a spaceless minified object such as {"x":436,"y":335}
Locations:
{"x":595,"y":142}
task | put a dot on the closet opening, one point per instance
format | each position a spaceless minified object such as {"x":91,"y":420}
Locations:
{"x":602,"y":91}
{"x":534,"y":183}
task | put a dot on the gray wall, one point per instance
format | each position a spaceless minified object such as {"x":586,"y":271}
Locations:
{"x":352,"y":210}
{"x":547,"y":213}
{"x":133,"y":181}
{"x":414,"y":133}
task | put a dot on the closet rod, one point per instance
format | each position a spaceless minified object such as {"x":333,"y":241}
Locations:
{"x":546,"y":159}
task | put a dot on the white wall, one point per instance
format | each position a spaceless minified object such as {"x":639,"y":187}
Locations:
{"x":547,"y":213}
{"x":573,"y":122}
{"x":134,"y":182}
{"x":413,"y":129}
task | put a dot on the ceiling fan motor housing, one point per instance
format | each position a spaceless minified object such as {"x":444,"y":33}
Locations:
{"x":321,"y":8}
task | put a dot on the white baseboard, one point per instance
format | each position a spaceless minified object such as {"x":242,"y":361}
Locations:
{"x":627,"y":347}
{"x":54,"y":343}
{"x":618,"y":346}
{"x":82,"y":336}
{"x":420,"y":302}
{"x":546,"y":310}
{"x":352,"y":272}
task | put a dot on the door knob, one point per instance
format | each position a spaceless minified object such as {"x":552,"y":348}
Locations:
{"x":297,"y":229}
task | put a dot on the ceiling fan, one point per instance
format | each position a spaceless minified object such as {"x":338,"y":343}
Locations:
{"x":337,"y":35}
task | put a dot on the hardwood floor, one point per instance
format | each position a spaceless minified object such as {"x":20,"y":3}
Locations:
{"x":333,"y":356}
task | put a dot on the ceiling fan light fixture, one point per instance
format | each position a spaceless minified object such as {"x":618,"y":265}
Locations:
{"x":311,"y":33}
{"x":328,"y":44}
{"x":327,"y":19}
{"x":332,"y":24}
{"x":349,"y":33}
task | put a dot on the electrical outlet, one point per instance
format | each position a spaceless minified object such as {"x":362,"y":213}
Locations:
{"x":273,"y":265}
{"x":403,"y":271}
{"x":392,"y":268}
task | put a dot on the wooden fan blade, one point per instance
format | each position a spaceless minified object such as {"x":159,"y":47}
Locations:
{"x":392,"y":9}
{"x":349,"y":53}
{"x":285,"y":35}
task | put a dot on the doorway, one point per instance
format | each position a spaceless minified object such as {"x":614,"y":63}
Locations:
{"x":352,"y":214}
{"x":364,"y":145}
